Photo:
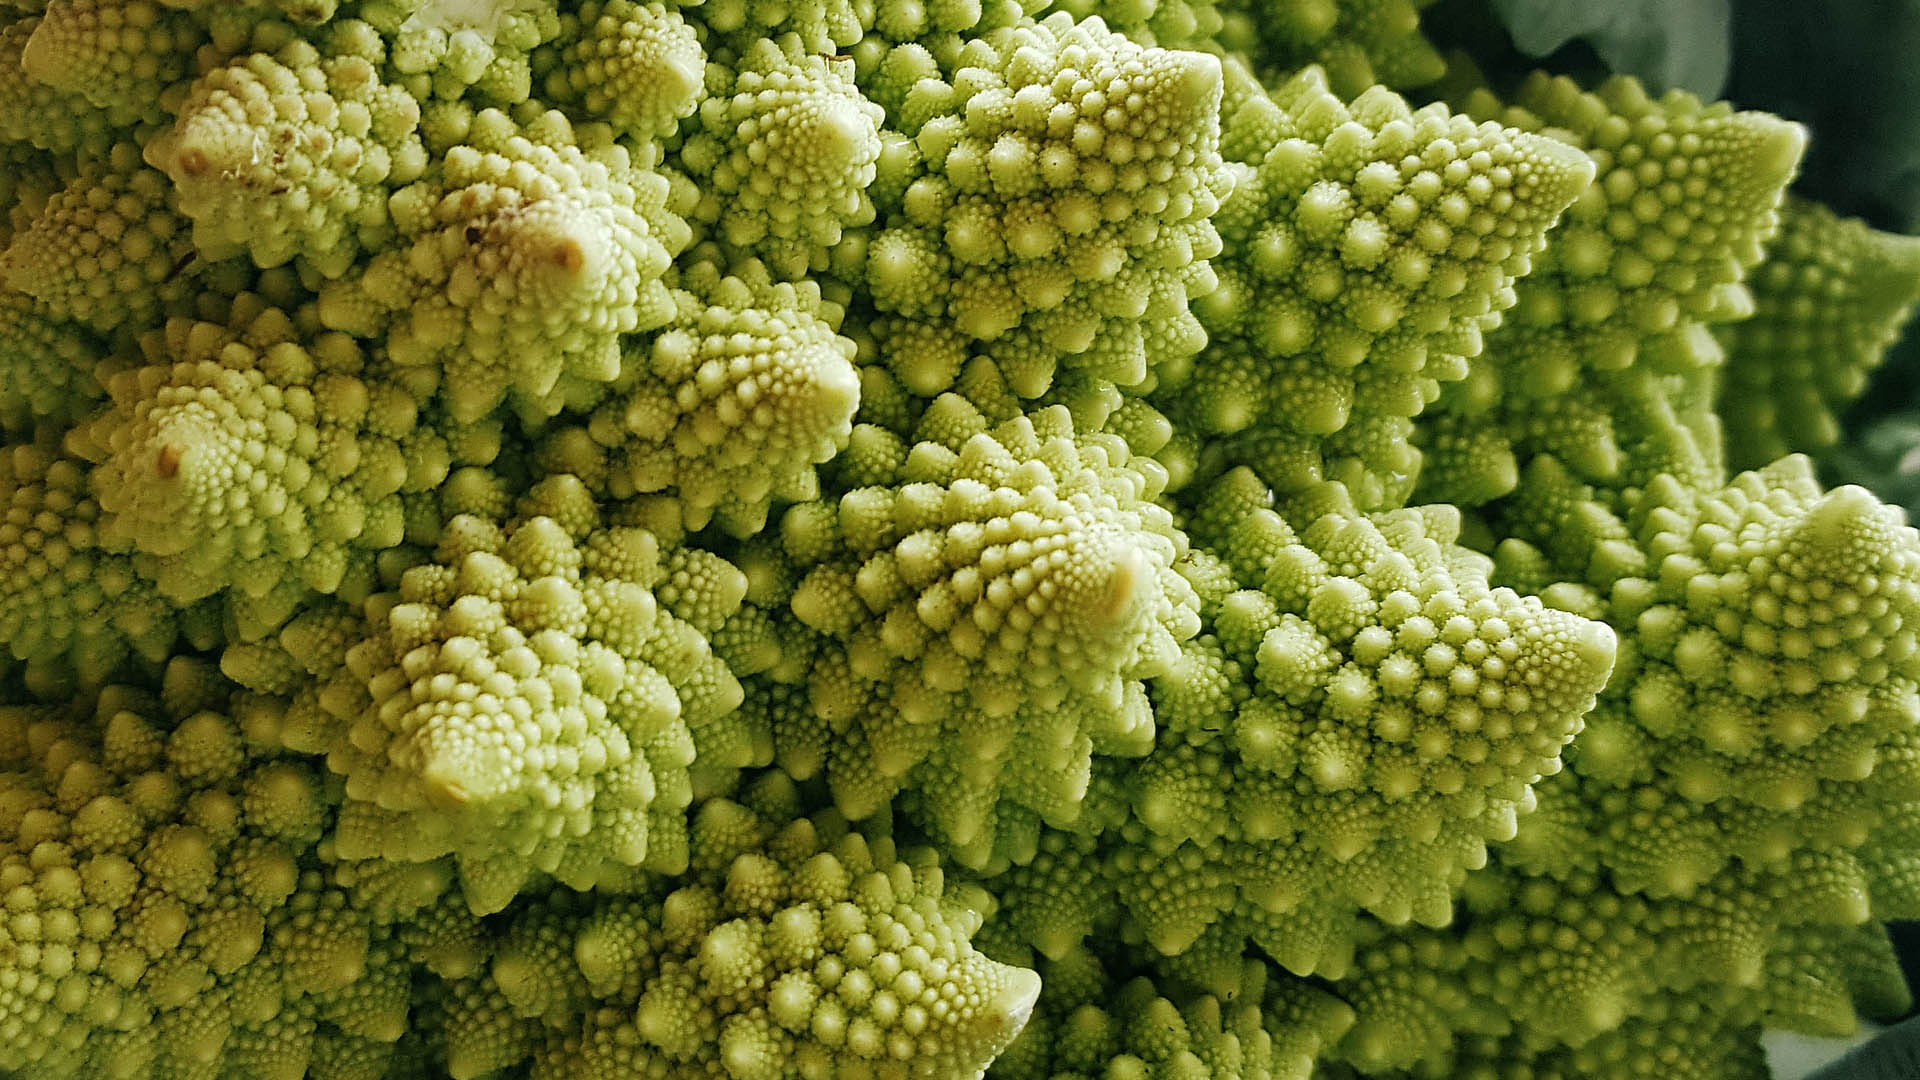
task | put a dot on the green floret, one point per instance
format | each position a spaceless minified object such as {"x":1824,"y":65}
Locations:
{"x":1823,"y":978}
{"x":48,"y":118}
{"x":291,"y":154}
{"x":528,"y":701}
{"x":1386,"y":671}
{"x":1832,"y":295}
{"x":1347,"y":735}
{"x":1094,"y":1021}
{"x":1728,"y":805}
{"x":784,"y":153}
{"x":1369,"y":246}
{"x":28,"y":178}
{"x":1769,"y":662}
{"x":1554,"y":960}
{"x":1166,"y":24}
{"x":792,"y":947}
{"x":1047,"y":195}
{"x":1563,"y":967}
{"x":107,"y":249}
{"x":454,"y":48}
{"x":987,"y":622}
{"x":46,"y":367}
{"x":929,"y":540}
{"x":168,"y":914}
{"x":122,"y":56}
{"x":1681,"y":1036}
{"x":1359,"y":42}
{"x":527,"y":251}
{"x":729,"y":406}
{"x":822,"y":27}
{"x":68,"y":599}
{"x":328,"y":452}
{"x":1893,"y":870}
{"x":639,"y":67}
{"x":1605,"y":360}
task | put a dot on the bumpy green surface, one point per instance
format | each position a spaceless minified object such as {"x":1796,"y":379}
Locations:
{"x":526,"y":251}
{"x":340,"y":139}
{"x":1096,"y":1021}
{"x":1050,"y":194}
{"x":522,"y":701}
{"x":1368,"y":250}
{"x":988,"y":623}
{"x":729,"y":406}
{"x":168,"y":906}
{"x":1348,"y":734}
{"x":329,"y":460}
{"x":1832,"y":295}
{"x":826,"y":540}
{"x":790,"y":947}
{"x":1606,"y":361}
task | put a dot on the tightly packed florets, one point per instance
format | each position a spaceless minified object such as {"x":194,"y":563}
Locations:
{"x":988,"y":620}
{"x":292,"y":155}
{"x":791,"y":947}
{"x":925,"y":540}
{"x":1049,"y":196}
{"x":524,"y":702}
{"x":168,"y":908}
{"x":1370,"y":248}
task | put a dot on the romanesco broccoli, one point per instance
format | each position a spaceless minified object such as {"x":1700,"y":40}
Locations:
{"x":928,"y":540}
